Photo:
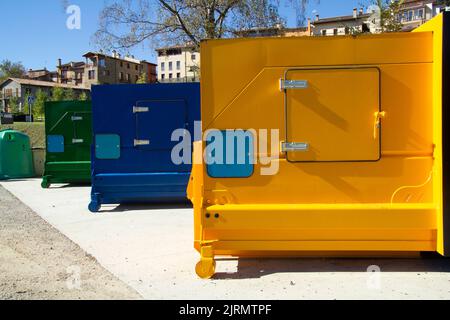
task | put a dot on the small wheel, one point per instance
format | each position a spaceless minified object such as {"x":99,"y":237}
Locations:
{"x":45,"y":184}
{"x":94,"y":207}
{"x":205,"y":269}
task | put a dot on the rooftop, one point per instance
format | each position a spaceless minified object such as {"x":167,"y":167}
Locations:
{"x":39,"y":83}
{"x":342,"y":18}
{"x":115,"y":56}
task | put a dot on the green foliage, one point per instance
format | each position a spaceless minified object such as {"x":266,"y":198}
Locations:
{"x":39,"y":103}
{"x":389,"y":12}
{"x":83,"y":96}
{"x":26,"y":105}
{"x":57,"y":94}
{"x":10,"y":69}
{"x":14,"y":105}
{"x":69,"y":94}
{"x":142,"y":78}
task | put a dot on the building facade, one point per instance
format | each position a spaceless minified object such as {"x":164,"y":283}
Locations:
{"x":178,"y":64}
{"x":278,"y":31}
{"x":27,"y":89}
{"x":358,"y":22}
{"x":416,"y":12}
{"x":112,"y":69}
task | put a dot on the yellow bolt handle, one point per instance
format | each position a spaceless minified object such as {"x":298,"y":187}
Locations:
{"x":377,"y":122}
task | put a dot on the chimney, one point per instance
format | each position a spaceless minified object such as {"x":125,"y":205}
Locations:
{"x":114,"y":54}
{"x":59,"y":62}
{"x":317,"y":17}
{"x":355,"y":12}
{"x":309,"y":26}
{"x":361,"y":11}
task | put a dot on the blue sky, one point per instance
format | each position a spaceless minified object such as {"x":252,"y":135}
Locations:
{"x":35,"y":33}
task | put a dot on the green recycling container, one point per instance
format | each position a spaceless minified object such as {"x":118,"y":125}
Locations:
{"x":16,"y":159}
{"x":68,"y":130}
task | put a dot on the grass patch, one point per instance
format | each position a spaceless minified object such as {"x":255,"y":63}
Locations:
{"x":35,"y":130}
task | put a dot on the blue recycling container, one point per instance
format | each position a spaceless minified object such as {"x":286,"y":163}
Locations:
{"x":131,"y":155}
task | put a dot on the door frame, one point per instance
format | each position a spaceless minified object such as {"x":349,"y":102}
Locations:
{"x":355,"y":67}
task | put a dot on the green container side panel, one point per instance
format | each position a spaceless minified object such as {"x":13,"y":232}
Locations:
{"x":68,"y":130}
{"x":16,"y":159}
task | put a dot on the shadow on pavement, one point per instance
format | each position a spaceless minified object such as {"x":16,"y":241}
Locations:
{"x":257,"y":268}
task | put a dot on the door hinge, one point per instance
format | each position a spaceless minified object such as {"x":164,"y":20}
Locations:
{"x":294,"y":146}
{"x":77,"y":140}
{"x":293,"y":84}
{"x":141,"y":142}
{"x":140,"y":109}
{"x":77,"y":118}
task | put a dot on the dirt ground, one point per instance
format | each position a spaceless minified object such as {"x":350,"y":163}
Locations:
{"x":38,"y":262}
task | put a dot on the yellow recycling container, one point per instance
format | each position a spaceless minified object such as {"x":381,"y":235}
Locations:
{"x":343,"y":146}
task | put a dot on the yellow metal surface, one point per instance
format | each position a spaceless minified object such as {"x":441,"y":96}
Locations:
{"x":372,"y":180}
{"x":353,"y":133}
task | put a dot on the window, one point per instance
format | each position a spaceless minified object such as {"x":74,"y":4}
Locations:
{"x":136,"y":78}
{"x":128,"y":66}
{"x":178,"y":75}
{"x":170,"y":66}
{"x":163,"y":76}
{"x":17,"y":92}
{"x":418,"y":14}
{"x":410,"y":15}
{"x":178,"y":65}
{"x":91,"y":74}
{"x":8,"y":93}
{"x":136,"y":67}
{"x":101,"y":62}
{"x":170,"y":76}
{"x":324,"y":32}
{"x":163,"y":66}
{"x":365,"y":27}
{"x":335,"y":32}
{"x":347,"y":30}
{"x":128,"y":77}
{"x":121,"y":63}
{"x":193,"y":57}
{"x":121,"y":76}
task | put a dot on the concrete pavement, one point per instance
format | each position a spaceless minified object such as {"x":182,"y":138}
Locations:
{"x":151,"y":249}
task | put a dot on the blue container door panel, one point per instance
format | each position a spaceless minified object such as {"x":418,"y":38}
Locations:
{"x":156,"y":120}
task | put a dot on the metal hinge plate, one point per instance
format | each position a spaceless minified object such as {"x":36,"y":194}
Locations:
{"x":77,"y":140}
{"x":77,"y":118}
{"x":293,"y":84}
{"x":294,"y":146}
{"x":140,"y":109}
{"x":141,"y":142}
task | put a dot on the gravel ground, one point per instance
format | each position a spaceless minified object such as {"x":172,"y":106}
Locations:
{"x":38,"y":262}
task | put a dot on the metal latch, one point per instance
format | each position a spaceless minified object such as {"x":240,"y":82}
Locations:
{"x":140,"y":109}
{"x":293,"y":84}
{"x":294,"y":146}
{"x":77,"y":118}
{"x":141,"y":142}
{"x":77,"y":140}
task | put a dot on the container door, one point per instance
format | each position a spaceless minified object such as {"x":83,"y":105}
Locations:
{"x":82,"y":128}
{"x":332,"y":114}
{"x":156,"y":120}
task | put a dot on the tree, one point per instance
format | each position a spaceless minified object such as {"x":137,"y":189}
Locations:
{"x":10,"y":69}
{"x":444,"y":2}
{"x":26,"y":105}
{"x":14,"y":105}
{"x":389,"y":15}
{"x":39,"y":103}
{"x":57,"y":94}
{"x":69,"y":94}
{"x":142,"y":78}
{"x":83,"y":96}
{"x":127,"y":23}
